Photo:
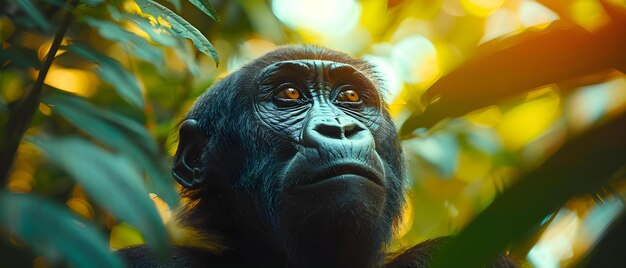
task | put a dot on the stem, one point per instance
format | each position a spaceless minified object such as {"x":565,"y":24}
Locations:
{"x":22,"y":115}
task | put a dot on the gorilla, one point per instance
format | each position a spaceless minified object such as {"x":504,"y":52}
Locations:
{"x":293,"y":161}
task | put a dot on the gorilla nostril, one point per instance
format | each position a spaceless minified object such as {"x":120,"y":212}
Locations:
{"x":330,"y":131}
{"x":351,"y":130}
{"x":338,"y":131}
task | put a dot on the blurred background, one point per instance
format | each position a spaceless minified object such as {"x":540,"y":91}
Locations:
{"x":485,"y":93}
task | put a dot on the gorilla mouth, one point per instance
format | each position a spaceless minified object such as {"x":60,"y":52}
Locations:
{"x":346,"y":172}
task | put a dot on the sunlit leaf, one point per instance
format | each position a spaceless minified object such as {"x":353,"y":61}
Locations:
{"x":52,"y":231}
{"x":161,"y":35}
{"x":105,"y":175}
{"x":137,"y":46}
{"x":180,"y":27}
{"x":581,"y":166}
{"x":119,"y":132}
{"x":36,"y":15}
{"x":509,"y":67}
{"x":206,"y":7}
{"x":112,"y":72}
{"x":157,"y":33}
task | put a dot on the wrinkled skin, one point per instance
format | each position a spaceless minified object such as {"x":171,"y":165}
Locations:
{"x":292,"y":161}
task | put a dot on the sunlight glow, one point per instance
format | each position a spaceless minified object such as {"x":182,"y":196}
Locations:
{"x":501,"y":22}
{"x":124,"y":235}
{"x":533,"y":14}
{"x":415,"y":58}
{"x":556,"y":243}
{"x":592,"y":103}
{"x":588,"y":13}
{"x":407,"y":220}
{"x":249,"y":50}
{"x":324,"y":17}
{"x":45,"y":47}
{"x":81,"y":207}
{"x":162,"y":207}
{"x":20,"y":181}
{"x":481,"y":8}
{"x":77,"y":81}
{"x":526,"y":121}
{"x":393,"y":83}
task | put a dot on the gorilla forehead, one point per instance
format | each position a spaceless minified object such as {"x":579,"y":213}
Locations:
{"x":310,"y":68}
{"x":319,"y":74}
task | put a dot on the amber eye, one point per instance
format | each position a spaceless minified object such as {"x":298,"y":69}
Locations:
{"x":289,"y":93}
{"x":348,"y":96}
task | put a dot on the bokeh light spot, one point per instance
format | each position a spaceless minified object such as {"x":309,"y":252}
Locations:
{"x":393,"y":83}
{"x":416,"y":59}
{"x":77,"y":81}
{"x":81,"y":207}
{"x":588,"y":13}
{"x":533,"y":14}
{"x":481,"y":8}
{"x":124,"y":235}
{"x":324,"y":17}
{"x":526,"y":121}
{"x":500,"y":23}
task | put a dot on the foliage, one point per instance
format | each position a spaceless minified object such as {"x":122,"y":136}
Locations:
{"x":119,"y":149}
{"x":505,"y":132}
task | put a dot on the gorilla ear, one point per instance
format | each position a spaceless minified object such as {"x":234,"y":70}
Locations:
{"x":187,"y":168}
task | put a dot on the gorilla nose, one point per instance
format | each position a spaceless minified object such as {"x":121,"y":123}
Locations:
{"x":324,"y":130}
{"x":335,"y":130}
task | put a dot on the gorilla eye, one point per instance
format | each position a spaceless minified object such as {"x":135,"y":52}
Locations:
{"x":288,"y":93}
{"x":348,"y":96}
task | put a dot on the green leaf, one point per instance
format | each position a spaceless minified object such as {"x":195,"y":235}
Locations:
{"x":180,"y":27}
{"x":112,"y":72}
{"x":35,"y":15}
{"x":110,"y":180}
{"x":157,"y":33}
{"x":92,"y":2}
{"x":582,"y":166}
{"x":206,"y":7}
{"x":19,"y":56}
{"x":186,"y":54}
{"x":176,"y":4}
{"x":161,"y":35}
{"x":52,"y":231}
{"x":136,"y":45}
{"x":59,"y":3}
{"x":119,"y":132}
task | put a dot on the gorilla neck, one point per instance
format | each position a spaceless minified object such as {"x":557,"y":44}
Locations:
{"x":345,"y":232}
{"x":346,"y":246}
{"x":339,"y":246}
{"x":334,"y":224}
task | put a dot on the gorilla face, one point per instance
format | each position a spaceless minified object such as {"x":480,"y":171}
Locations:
{"x":327,"y":111}
{"x":295,"y":156}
